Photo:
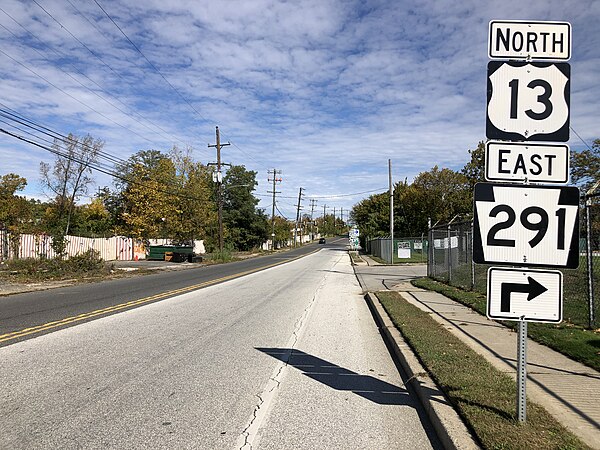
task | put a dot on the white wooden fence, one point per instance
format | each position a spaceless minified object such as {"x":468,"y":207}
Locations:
{"x":115,"y":248}
{"x":37,"y":246}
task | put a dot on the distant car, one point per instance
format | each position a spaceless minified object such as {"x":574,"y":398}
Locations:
{"x":322,"y":241}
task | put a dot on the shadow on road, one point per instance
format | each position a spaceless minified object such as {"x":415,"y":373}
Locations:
{"x":341,"y":379}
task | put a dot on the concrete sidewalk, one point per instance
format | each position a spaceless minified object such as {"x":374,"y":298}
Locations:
{"x":568,"y":390}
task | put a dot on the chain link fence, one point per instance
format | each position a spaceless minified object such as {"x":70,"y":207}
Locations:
{"x":406,"y":249}
{"x":451,"y":252}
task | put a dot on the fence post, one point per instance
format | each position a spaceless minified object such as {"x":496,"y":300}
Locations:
{"x":590,"y":261}
{"x":431,"y":261}
{"x":472,"y":263}
{"x":449,"y":253}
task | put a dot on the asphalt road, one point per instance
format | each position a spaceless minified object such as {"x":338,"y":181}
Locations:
{"x":287,"y":357}
{"x":26,"y":315}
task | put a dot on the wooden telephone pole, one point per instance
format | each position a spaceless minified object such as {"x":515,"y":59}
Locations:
{"x":298,"y":217}
{"x":275,"y":180}
{"x":218,"y":178}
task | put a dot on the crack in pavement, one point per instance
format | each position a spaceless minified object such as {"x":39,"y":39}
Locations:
{"x":250,"y":432}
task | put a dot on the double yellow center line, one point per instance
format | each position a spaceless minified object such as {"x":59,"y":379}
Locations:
{"x":122,"y":306}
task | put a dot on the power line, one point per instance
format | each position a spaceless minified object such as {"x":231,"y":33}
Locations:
{"x":150,"y":63}
{"x":74,"y":98}
{"x":13,"y":115}
{"x":282,"y":215}
{"x":128,"y":113}
{"x":165,"y":78}
{"x":580,"y":138}
{"x":115,"y":72}
{"x":103,"y":170}
{"x":63,"y":55}
{"x":347,"y":195}
{"x":81,"y":43}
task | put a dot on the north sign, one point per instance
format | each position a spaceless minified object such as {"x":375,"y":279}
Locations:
{"x":515,"y":39}
{"x":527,"y":162}
{"x":526,"y":225}
{"x":528,"y":101}
{"x":524,"y":294}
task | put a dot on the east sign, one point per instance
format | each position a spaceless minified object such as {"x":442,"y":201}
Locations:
{"x":527,"y":162}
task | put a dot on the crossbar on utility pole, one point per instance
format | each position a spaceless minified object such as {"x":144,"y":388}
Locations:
{"x":219,"y":180}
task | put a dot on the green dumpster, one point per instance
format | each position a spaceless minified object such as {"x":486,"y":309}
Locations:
{"x":157,"y":252}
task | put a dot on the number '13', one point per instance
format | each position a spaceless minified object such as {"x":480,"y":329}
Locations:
{"x":543,"y":98}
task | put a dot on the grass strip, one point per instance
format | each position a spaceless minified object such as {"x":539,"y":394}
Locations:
{"x":483,"y":396}
{"x":571,"y":340}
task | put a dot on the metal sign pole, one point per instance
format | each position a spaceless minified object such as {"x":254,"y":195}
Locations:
{"x":522,"y":372}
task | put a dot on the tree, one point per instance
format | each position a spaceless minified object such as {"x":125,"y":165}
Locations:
{"x":15,"y":211}
{"x":283,"y":230}
{"x":474,"y":170}
{"x":246,"y":224}
{"x":585,"y":167}
{"x":442,"y":194}
{"x":95,"y":218}
{"x":148,"y":199}
{"x":196,"y":214}
{"x":165,"y":196}
{"x":438,"y":195}
{"x":68,"y":179}
{"x":372,"y":215}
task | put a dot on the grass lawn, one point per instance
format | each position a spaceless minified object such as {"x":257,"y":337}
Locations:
{"x":483,"y":396}
{"x":567,"y":338}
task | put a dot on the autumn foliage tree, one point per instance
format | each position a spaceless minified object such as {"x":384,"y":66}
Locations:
{"x":165,"y":196}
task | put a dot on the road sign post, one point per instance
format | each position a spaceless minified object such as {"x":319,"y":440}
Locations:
{"x":522,"y":371}
{"x":526,"y":225}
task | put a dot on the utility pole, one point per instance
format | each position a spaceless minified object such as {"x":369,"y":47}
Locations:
{"x":391,"y":213}
{"x":275,"y":180}
{"x":218,"y":178}
{"x":334,"y":224}
{"x":298,"y":216}
{"x":342,"y":216}
{"x":312,"y":209}
{"x":324,"y":218}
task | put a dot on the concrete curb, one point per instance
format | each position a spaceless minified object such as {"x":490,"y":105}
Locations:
{"x":448,"y":425}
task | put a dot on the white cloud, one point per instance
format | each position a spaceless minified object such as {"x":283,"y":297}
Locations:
{"x":325,"y":90}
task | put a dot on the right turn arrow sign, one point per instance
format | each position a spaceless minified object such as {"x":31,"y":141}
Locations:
{"x":533,"y":289}
{"x":524,"y":294}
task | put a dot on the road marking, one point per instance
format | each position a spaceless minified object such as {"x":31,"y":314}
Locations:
{"x":130,"y":304}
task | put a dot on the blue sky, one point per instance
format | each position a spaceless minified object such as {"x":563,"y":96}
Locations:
{"x":325,"y":91}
